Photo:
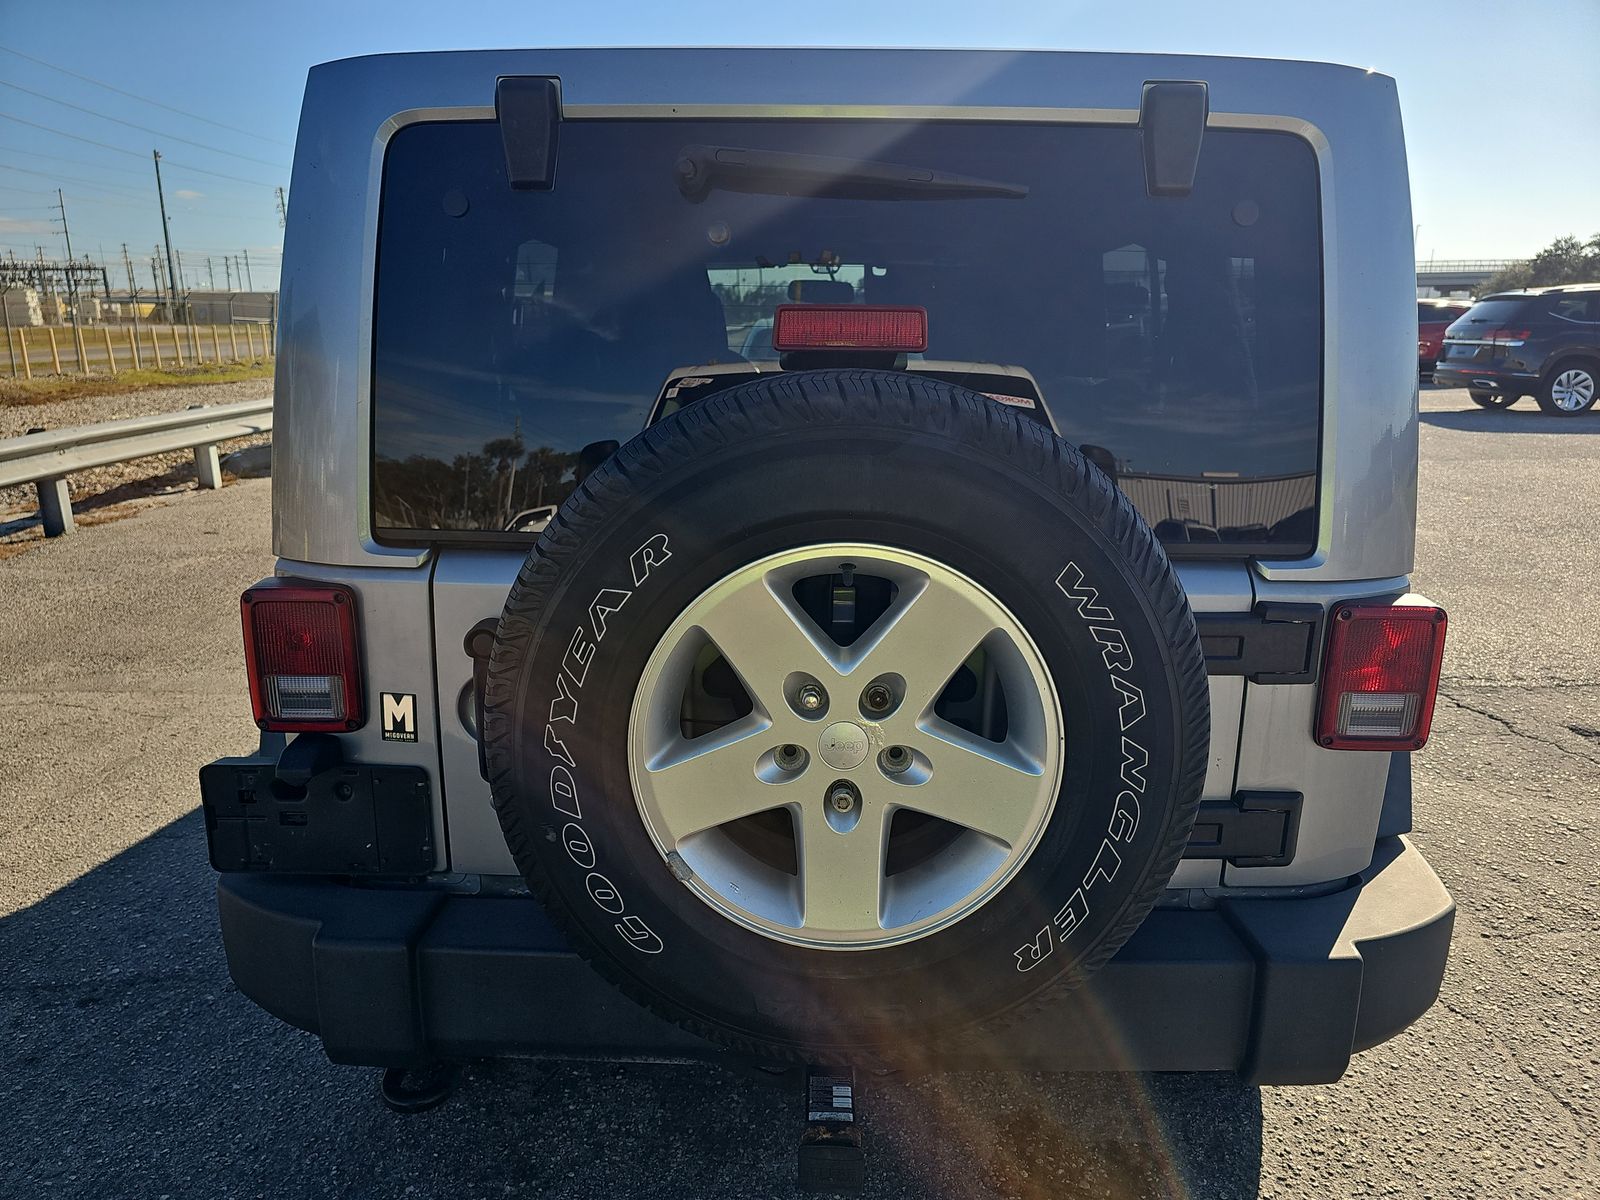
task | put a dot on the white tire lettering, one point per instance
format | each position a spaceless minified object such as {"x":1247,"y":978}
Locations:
{"x":603,"y":892}
{"x":1114,"y":650}
{"x":1031,"y":954}
{"x":1072,"y":914}
{"x":570,"y":676}
{"x":652,"y":554}
{"x":1071,"y":583}
{"x":1135,"y":758}
{"x":639,"y":935}
{"x":580,"y":653}
{"x":1132,"y":710}
{"x":1125,"y":820}
{"x":1123,"y":826}
{"x":579,"y":849}
{"x":606,"y":602}
{"x":556,"y":748}
{"x":564,"y":792}
{"x":565,"y":706}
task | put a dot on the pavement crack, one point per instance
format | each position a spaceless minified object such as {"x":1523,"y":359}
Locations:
{"x":1580,"y":1120}
{"x":1512,"y":728}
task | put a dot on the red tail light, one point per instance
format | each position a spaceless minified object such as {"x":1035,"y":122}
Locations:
{"x":1380,"y":677}
{"x":1513,"y":336}
{"x":303,"y":656}
{"x":849,"y":327}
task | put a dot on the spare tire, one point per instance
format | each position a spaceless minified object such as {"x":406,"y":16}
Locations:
{"x":846,"y":710}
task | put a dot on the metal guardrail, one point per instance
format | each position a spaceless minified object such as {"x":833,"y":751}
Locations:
{"x":45,"y":459}
{"x":1451,"y":266}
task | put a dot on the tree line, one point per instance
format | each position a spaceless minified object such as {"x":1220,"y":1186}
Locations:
{"x":477,"y":491}
{"x":1565,"y":260}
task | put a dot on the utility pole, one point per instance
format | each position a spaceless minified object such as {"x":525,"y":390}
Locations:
{"x":283,"y":208}
{"x":72,"y":285}
{"x":183,"y":280}
{"x":227,"y":272}
{"x":166,"y":234}
{"x":133,"y":288}
{"x":159,"y":274}
{"x":6,"y":284}
{"x":211,"y":276}
{"x":251,"y":280}
{"x":45,"y":286}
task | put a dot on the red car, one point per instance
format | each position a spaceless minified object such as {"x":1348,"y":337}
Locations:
{"x":1433,"y":318}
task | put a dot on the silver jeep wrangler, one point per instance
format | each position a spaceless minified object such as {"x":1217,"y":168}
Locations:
{"x":888,"y":558}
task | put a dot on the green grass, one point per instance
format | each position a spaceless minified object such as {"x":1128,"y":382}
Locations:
{"x":74,"y":387}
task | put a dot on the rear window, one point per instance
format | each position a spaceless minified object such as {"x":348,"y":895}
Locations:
{"x":517,"y":333}
{"x":1493,"y":312}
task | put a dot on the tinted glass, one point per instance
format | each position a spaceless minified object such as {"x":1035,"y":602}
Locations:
{"x":1576,"y":307}
{"x":1492,"y":312}
{"x":1180,"y":337}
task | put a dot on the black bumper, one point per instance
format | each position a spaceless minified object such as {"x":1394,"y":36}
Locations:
{"x":1485,"y":379}
{"x":1281,"y":990}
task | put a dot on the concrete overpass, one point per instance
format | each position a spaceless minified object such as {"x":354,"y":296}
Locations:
{"x":1459,"y":275}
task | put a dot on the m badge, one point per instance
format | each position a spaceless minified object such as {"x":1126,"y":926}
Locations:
{"x":399,"y":716}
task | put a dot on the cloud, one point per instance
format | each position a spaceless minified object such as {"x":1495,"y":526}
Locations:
{"x":15,"y":225}
{"x":188,"y":194}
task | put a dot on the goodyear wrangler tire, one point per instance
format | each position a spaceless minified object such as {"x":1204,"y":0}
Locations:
{"x":724,"y":754}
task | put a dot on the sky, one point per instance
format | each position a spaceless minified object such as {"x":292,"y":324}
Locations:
{"x":1501,"y":101}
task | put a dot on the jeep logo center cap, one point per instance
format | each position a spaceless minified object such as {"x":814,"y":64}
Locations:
{"x":844,"y":745}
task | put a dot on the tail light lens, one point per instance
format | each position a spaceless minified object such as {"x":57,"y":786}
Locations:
{"x":1380,"y":677}
{"x":1512,"y":337}
{"x":303,"y":656}
{"x":849,"y":327}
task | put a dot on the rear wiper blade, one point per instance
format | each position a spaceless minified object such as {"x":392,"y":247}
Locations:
{"x":703,"y":169}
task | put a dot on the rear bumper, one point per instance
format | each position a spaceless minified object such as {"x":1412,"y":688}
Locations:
{"x":1280,"y":990}
{"x":1485,"y":379}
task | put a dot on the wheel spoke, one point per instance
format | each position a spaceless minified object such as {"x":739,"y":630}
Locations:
{"x":708,"y":781}
{"x":841,"y":874}
{"x":990,"y":787}
{"x":924,"y":638}
{"x":810,"y":722}
{"x":765,"y":639}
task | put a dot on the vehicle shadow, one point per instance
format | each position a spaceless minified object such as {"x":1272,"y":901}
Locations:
{"x":136,"y":1068}
{"x":1511,"y":420}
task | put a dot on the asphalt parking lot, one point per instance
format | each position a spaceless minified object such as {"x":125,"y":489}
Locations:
{"x":133,"y":1068}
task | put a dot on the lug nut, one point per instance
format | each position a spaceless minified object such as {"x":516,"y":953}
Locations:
{"x":895,"y":759}
{"x":811,"y":697}
{"x":789,"y":756}
{"x":877,"y":698}
{"x":842,"y":798}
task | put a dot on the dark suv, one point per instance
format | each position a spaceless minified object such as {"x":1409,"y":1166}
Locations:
{"x":1540,"y":341}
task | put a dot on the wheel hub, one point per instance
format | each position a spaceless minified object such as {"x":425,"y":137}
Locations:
{"x":905,"y":819}
{"x":1573,"y":390}
{"x":844,"y":745}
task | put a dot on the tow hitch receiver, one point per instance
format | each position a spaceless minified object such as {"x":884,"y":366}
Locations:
{"x":831,"y":1158}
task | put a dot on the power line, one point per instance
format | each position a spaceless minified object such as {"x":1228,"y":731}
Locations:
{"x":75,"y":137}
{"x":143,"y":99}
{"x":6,"y":187}
{"x":144,"y":128}
{"x":77,"y":162}
{"x":79,"y":198}
{"x":130,"y":153}
{"x":218,"y":174}
{"x":72,"y":179}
